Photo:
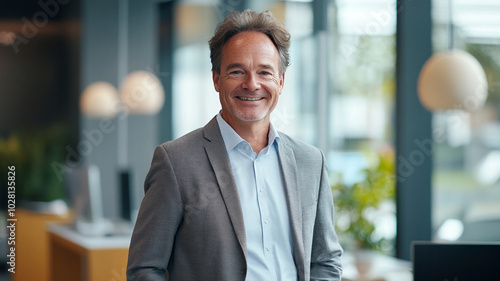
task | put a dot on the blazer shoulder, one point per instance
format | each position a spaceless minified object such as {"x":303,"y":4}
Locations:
{"x":188,"y":139}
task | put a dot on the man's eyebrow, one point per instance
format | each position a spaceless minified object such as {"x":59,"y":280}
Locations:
{"x":267,"y":66}
{"x":234,"y":65}
{"x":240,"y":65}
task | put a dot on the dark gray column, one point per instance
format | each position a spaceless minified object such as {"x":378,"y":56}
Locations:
{"x":413,"y":127}
{"x":225,"y":6}
{"x":320,"y":29}
{"x":99,"y":62}
{"x":166,"y":65}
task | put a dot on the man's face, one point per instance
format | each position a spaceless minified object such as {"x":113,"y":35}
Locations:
{"x":249,"y":82}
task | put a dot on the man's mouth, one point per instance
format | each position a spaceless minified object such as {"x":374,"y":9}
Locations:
{"x":249,"y":99}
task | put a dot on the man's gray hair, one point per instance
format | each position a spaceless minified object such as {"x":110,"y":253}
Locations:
{"x":247,"y":20}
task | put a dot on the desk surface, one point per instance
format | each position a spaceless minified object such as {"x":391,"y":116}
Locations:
{"x":383,"y":268}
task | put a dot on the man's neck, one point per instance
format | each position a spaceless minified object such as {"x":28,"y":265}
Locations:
{"x":254,"y":132}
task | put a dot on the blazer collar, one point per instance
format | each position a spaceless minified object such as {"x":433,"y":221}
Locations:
{"x":221,"y":165}
{"x":289,"y":170}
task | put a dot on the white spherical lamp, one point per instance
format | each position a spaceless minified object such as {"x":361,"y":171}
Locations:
{"x":452,"y":80}
{"x":99,"y":100}
{"x":142,"y":93}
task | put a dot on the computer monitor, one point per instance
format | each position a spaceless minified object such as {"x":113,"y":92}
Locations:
{"x":84,"y":188}
{"x":465,"y":261}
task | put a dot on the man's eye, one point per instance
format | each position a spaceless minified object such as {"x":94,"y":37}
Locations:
{"x":236,"y":72}
{"x":266,"y":73}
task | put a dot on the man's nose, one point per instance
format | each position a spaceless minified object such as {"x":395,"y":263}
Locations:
{"x":251,"y":82}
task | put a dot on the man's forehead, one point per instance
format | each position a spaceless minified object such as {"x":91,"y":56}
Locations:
{"x":250,"y":43}
{"x":247,"y":38}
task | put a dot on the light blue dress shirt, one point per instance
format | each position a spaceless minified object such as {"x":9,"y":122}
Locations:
{"x":261,"y":191}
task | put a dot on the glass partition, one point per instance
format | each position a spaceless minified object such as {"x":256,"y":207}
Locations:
{"x":466,"y":178}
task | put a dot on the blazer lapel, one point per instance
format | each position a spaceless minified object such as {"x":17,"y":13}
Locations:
{"x":221,"y":165}
{"x":289,"y":170}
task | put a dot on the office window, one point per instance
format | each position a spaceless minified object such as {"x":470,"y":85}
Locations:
{"x":194,"y":100}
{"x":362,"y":98}
{"x":466,"y":177}
{"x":339,"y":89}
{"x":361,"y":131}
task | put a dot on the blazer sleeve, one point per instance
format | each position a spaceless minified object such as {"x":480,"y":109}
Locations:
{"x":326,"y":251}
{"x":159,"y":217}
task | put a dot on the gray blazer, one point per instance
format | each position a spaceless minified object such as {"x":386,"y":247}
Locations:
{"x":190,"y":223}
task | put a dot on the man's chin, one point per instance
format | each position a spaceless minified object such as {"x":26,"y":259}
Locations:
{"x":246,"y":117}
{"x":252,"y":118}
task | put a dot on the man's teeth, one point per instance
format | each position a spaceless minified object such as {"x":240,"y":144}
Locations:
{"x":249,"y":99}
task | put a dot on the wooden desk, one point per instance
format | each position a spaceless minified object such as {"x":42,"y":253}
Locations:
{"x":32,"y":245}
{"x":86,"y":258}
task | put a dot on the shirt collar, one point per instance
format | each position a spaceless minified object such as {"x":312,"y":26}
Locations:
{"x":232,"y":139}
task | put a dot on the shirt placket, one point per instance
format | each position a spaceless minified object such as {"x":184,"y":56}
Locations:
{"x":262,"y":197}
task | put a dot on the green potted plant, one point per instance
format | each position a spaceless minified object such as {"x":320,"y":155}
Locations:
{"x":357,"y":207}
{"x":32,"y":153}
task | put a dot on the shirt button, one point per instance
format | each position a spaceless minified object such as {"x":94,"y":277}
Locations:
{"x":267,"y":249}
{"x":260,"y":190}
{"x":265,"y":222}
{"x":247,"y":147}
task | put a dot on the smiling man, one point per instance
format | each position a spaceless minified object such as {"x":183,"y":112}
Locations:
{"x":249,"y":83}
{"x":236,"y":200}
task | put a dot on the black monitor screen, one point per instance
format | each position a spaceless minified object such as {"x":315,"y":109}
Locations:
{"x":456,"y":262}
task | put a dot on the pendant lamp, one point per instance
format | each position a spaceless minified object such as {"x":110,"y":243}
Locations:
{"x":99,"y":100}
{"x":452,"y":79}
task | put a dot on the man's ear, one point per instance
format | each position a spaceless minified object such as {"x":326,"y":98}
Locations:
{"x":215,"y":78}
{"x":282,"y":81}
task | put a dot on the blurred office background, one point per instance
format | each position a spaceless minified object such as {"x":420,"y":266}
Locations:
{"x":351,"y":90}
